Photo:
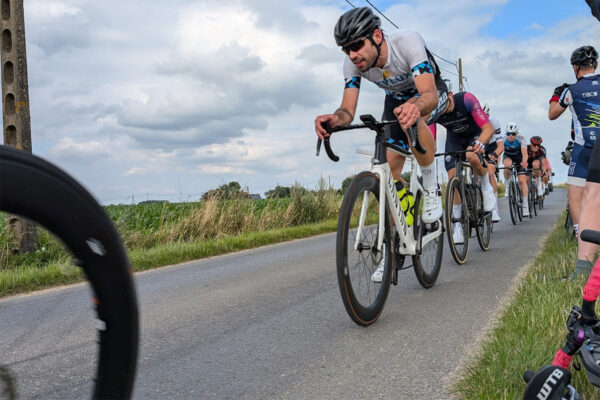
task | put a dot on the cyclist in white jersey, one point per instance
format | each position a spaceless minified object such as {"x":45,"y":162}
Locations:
{"x":400,"y":64}
{"x":493,"y":151}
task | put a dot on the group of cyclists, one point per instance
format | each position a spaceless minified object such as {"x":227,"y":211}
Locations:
{"x":416,"y":94}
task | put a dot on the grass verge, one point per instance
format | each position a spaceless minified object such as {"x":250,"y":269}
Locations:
{"x":29,"y":278}
{"x":531,"y":328}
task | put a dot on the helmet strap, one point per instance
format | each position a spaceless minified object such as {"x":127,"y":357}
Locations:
{"x":378,"y":47}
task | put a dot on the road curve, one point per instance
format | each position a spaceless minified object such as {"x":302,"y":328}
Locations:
{"x":269,"y":323}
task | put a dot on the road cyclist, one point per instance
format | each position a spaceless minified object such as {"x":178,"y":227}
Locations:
{"x":493,"y":151}
{"x":467,"y":128}
{"x":536,"y":161}
{"x":582,"y":98}
{"x":515,"y":154}
{"x":373,"y":231}
{"x":400,"y":64}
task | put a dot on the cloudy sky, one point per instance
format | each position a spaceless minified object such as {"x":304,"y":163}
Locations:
{"x":165,"y":100}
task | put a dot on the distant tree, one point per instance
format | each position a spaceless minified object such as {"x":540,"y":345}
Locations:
{"x":345,"y":184}
{"x":278,"y":193}
{"x":232,"y":190}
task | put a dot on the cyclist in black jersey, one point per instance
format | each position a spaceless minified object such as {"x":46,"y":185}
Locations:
{"x":536,"y":160}
{"x":400,"y":64}
{"x":468,"y":128}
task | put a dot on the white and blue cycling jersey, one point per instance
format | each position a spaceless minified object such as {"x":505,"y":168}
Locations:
{"x":407,"y":58}
{"x":513,"y":149}
{"x":583,"y":100}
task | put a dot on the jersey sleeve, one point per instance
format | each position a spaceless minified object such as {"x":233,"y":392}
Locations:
{"x":352,"y":75}
{"x":566,"y":99}
{"x":473,"y":106}
{"x":412,"y":47}
{"x":523,"y":140}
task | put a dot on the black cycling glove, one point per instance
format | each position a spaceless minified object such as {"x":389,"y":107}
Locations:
{"x":560,"y":89}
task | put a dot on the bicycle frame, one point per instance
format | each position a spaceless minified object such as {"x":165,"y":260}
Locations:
{"x":387,"y":190}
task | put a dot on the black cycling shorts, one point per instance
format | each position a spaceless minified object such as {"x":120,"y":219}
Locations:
{"x":455,"y":143}
{"x":594,"y":165}
{"x":516,"y":162}
{"x":395,"y":132}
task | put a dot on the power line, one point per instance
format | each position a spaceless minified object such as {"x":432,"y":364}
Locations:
{"x":382,"y":14}
{"x":450,"y":72}
{"x":353,"y":6}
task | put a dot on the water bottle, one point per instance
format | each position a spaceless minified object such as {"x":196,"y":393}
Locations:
{"x":407,"y":202}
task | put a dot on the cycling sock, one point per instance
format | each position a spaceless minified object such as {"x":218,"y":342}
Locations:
{"x":456,"y":210}
{"x":583,"y":267}
{"x":485,"y":182}
{"x":429,"y":177}
{"x":591,"y":289}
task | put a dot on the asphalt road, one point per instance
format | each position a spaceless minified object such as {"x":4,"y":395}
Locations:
{"x":269,"y":324}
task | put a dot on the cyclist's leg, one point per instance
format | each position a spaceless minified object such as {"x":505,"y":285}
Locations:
{"x":590,"y":204}
{"x":524,"y":185}
{"x":576,"y":181}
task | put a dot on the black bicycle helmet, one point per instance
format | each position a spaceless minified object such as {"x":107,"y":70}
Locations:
{"x":355,"y":24}
{"x":536,"y":140}
{"x":584,"y":56}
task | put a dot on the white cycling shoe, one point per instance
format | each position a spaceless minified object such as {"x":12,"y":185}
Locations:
{"x":540,"y":191}
{"x":489,"y":200}
{"x":495,"y":216}
{"x":377,"y":276}
{"x":525,"y":212}
{"x":458,"y":236}
{"x":432,"y":209}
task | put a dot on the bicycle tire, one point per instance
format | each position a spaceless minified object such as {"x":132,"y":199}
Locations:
{"x":483,"y":228}
{"x":519,"y":201}
{"x":37,"y":190}
{"x":459,"y":251}
{"x":427,"y":264}
{"x":569,"y":229}
{"x":363,"y":299}
{"x":513,"y":205}
{"x":530,"y":202}
{"x":534,"y":197}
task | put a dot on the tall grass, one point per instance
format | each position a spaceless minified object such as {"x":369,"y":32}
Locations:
{"x":531,"y":328}
{"x":177,"y":232}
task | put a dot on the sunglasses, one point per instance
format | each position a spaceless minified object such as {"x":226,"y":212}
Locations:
{"x":511,"y":134}
{"x":354,"y":46}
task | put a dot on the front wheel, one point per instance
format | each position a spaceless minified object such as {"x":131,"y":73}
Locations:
{"x":483,"y":228}
{"x":457,"y":222}
{"x":357,"y":255}
{"x":427,"y":264}
{"x":513,"y":203}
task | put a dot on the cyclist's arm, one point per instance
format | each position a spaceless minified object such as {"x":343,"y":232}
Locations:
{"x":428,"y":95}
{"x":500,"y":148}
{"x":524,"y":153}
{"x":556,"y":108}
{"x":343,"y":115}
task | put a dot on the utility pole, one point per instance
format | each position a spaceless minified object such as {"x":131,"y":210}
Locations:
{"x":461,"y":88}
{"x":15,"y":105}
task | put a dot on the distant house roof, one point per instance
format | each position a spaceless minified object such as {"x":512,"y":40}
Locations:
{"x":255,"y":196}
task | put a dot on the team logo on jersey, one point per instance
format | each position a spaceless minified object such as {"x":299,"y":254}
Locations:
{"x":386,"y":74}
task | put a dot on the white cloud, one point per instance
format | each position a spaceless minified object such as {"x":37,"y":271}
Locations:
{"x":174,"y":99}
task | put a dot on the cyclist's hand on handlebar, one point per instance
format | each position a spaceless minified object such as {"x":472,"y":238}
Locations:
{"x":524,"y":164}
{"x":331,"y":119}
{"x":478,"y":147}
{"x":407,"y":115}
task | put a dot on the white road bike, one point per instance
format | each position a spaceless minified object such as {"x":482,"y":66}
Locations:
{"x":373,"y":231}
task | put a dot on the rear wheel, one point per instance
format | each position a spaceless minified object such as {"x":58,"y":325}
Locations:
{"x":427,"y":264}
{"x":357,"y":255}
{"x":456,"y":222}
{"x":534,"y":196}
{"x":484,"y":225}
{"x":39,"y":191}
{"x":530,"y":202}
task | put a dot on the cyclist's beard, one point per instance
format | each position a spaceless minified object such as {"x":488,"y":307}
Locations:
{"x":363,"y":64}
